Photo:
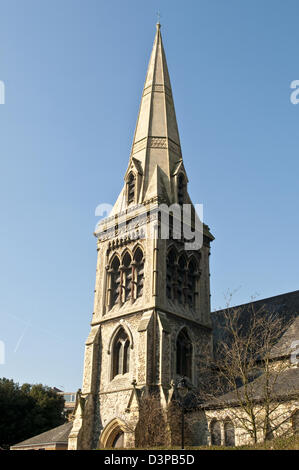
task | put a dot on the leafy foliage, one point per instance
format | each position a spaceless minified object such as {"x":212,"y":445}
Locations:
{"x":27,"y":410}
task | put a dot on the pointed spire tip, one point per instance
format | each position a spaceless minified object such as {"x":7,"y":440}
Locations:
{"x":158,"y":24}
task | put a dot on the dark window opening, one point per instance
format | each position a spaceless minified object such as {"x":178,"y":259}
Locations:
{"x":131,"y":188}
{"x":120,"y":354}
{"x":127,"y":277}
{"x":115,"y":282}
{"x":117,"y":359}
{"x":118,"y":441}
{"x":229,"y":433}
{"x":170,"y":274}
{"x":184,"y":355}
{"x":181,"y":279}
{"x":191,"y":283}
{"x":215,"y":433}
{"x":139,"y":269}
{"x":181,"y":189}
{"x":126,"y":356}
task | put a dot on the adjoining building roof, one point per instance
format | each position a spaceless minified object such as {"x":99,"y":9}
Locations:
{"x":288,"y":341}
{"x":286,"y":386}
{"x":286,"y":306}
{"x":58,"y":435}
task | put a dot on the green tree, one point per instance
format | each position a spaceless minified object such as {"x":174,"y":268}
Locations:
{"x":27,"y":410}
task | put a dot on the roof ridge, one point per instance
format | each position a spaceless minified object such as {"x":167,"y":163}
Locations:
{"x":256,"y":301}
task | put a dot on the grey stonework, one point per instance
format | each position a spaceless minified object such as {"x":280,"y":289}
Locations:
{"x":152,"y":321}
{"x":109,"y":404}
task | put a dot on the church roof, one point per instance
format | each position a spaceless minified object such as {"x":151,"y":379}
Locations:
{"x":58,"y":435}
{"x":286,"y":306}
{"x":284,"y":345}
{"x":284,"y":386}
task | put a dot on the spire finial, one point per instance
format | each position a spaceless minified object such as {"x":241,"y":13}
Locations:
{"x":158,"y":18}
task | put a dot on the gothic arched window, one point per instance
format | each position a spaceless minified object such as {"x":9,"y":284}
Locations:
{"x":131,"y":188}
{"x":114,"y":282}
{"x":139,"y":272}
{"x":215,"y":429}
{"x":191,"y":283}
{"x":181,"y":279}
{"x":184,"y":354}
{"x":181,"y":188}
{"x":229,"y":433}
{"x":126,"y":277}
{"x":120,"y":354}
{"x":126,"y":360}
{"x":126,"y":280}
{"x":171,"y":274}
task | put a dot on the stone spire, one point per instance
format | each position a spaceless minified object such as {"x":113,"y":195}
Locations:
{"x":156,"y":117}
{"x":156,"y":151}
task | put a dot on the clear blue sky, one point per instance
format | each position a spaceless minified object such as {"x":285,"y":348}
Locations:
{"x":74,"y":72}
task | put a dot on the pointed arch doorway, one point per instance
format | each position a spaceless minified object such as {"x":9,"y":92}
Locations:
{"x":113,"y":435}
{"x":118,"y":442}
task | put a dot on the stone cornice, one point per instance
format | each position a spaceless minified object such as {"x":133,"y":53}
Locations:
{"x":108,"y":318}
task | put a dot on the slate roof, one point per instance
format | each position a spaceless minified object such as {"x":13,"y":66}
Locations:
{"x":286,"y":306}
{"x":286,"y":386}
{"x":56,"y":435}
{"x":286,"y":344}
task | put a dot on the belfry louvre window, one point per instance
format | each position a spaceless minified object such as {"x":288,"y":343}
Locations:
{"x":131,"y":188}
{"x":184,"y":354}
{"x":171,"y":274}
{"x":139,"y":272}
{"x":191,"y":283}
{"x":181,"y":278}
{"x":120,"y":354}
{"x":114,"y":282}
{"x":181,"y":188}
{"x":127,"y":277}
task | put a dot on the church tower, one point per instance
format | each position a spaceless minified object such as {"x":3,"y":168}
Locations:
{"x":152,"y":295}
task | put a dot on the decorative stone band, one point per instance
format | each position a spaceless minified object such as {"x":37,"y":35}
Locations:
{"x":157,"y":89}
{"x":140,"y":145}
{"x":111,"y":222}
{"x":129,"y":237}
{"x":157,"y":142}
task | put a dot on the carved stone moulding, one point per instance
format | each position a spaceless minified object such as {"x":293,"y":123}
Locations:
{"x":156,"y":142}
{"x":120,"y":242}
